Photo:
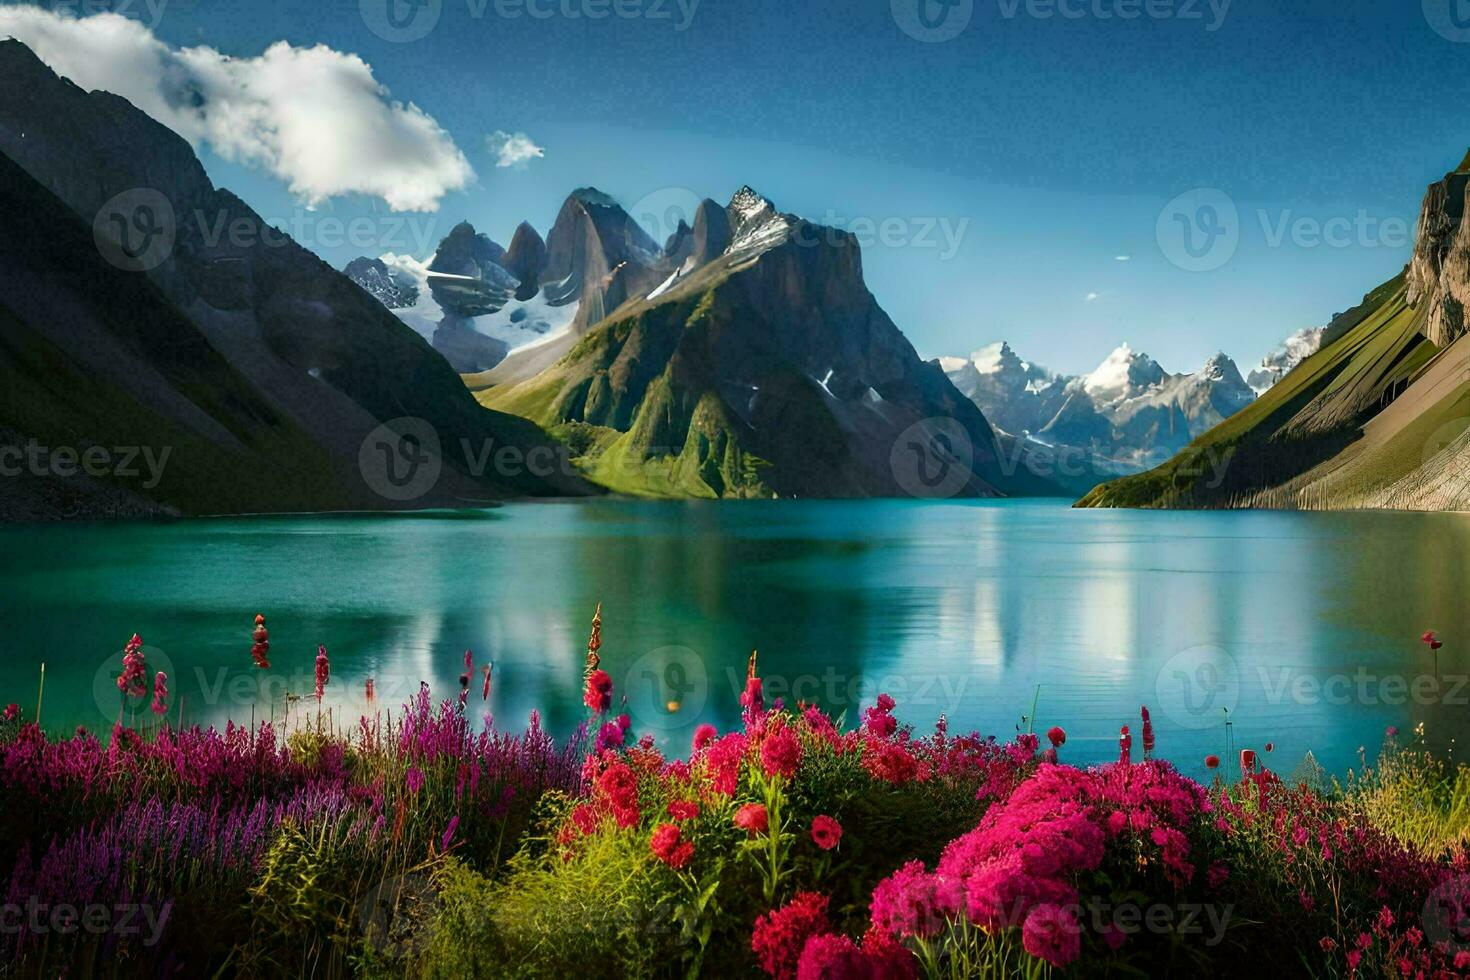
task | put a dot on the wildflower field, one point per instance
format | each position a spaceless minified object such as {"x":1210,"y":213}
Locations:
{"x":427,"y":844}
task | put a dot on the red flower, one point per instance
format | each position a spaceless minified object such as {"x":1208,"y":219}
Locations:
{"x":1056,"y":736}
{"x":598,"y":696}
{"x":1212,"y":762}
{"x":1125,"y":746}
{"x":780,"y":935}
{"x":1270,"y":746}
{"x":668,"y":847}
{"x":1247,"y":761}
{"x":323,"y":670}
{"x":826,"y":832}
{"x":485,"y":691}
{"x":752,"y":818}
{"x":704,"y":734}
{"x":1431,"y":640}
{"x":781,"y":753}
{"x":261,"y":645}
{"x":683,"y":809}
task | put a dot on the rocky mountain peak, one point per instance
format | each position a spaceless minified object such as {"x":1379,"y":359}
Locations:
{"x":1438,"y":276}
{"x":1123,"y":374}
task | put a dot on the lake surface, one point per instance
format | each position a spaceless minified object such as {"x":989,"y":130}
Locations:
{"x":1304,"y":626}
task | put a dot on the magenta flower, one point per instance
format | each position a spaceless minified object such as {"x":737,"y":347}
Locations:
{"x":414,"y":780}
{"x":448,"y":837}
{"x":323,"y":671}
{"x":826,"y":832}
{"x":781,"y":753}
{"x":1051,"y":933}
{"x":160,"y":694}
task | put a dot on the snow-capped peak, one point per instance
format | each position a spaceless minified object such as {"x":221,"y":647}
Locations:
{"x":1123,"y":374}
{"x":748,"y":205}
{"x":1291,"y":352}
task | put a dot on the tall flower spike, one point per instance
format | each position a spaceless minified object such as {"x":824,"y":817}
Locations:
{"x":323,"y":671}
{"x":261,"y":646}
{"x":160,"y":694}
{"x":1125,"y":746}
{"x":594,"y":643}
{"x":133,"y":682}
{"x":485,"y":694}
{"x":1148,"y":733}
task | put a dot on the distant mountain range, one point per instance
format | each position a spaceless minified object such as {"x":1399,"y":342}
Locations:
{"x":126,"y":322}
{"x":1127,"y":415}
{"x":1379,"y":417}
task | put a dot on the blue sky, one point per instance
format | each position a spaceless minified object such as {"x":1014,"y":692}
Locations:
{"x":1013,"y":164}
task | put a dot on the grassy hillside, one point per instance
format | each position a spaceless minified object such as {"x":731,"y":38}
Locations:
{"x":1306,"y":424}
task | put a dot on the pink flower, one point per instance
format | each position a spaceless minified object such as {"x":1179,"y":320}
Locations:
{"x":160,"y":694}
{"x":781,"y":753}
{"x":485,"y":690}
{"x":609,"y":736}
{"x":133,"y":679}
{"x":752,"y":702}
{"x":1051,"y":933}
{"x":826,"y":831}
{"x":1125,"y":746}
{"x":703,"y":735}
{"x":909,"y":903}
{"x":780,"y":935}
{"x":833,"y":957}
{"x":752,"y":818}
{"x":722,"y":761}
{"x":1056,"y":736}
{"x":448,"y":837}
{"x":598,"y":695}
{"x":668,"y":847}
{"x":414,"y":780}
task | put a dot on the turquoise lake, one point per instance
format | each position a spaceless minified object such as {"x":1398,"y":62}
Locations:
{"x":1301,"y":629}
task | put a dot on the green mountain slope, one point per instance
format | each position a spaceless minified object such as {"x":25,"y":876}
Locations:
{"x":1320,"y":438}
{"x":768,"y":369}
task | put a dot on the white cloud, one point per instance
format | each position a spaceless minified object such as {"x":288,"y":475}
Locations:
{"x":314,"y":117}
{"x":1091,"y":297}
{"x":513,"y":149}
{"x":1121,"y":258}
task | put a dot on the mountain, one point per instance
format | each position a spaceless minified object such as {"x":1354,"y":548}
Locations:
{"x":1280,"y":362}
{"x":315,"y":365}
{"x":1377,"y":418}
{"x":749,"y":359}
{"x":1121,"y":418}
{"x":484,"y":302}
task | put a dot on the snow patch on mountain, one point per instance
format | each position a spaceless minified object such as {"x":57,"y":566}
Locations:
{"x":1287,"y":355}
